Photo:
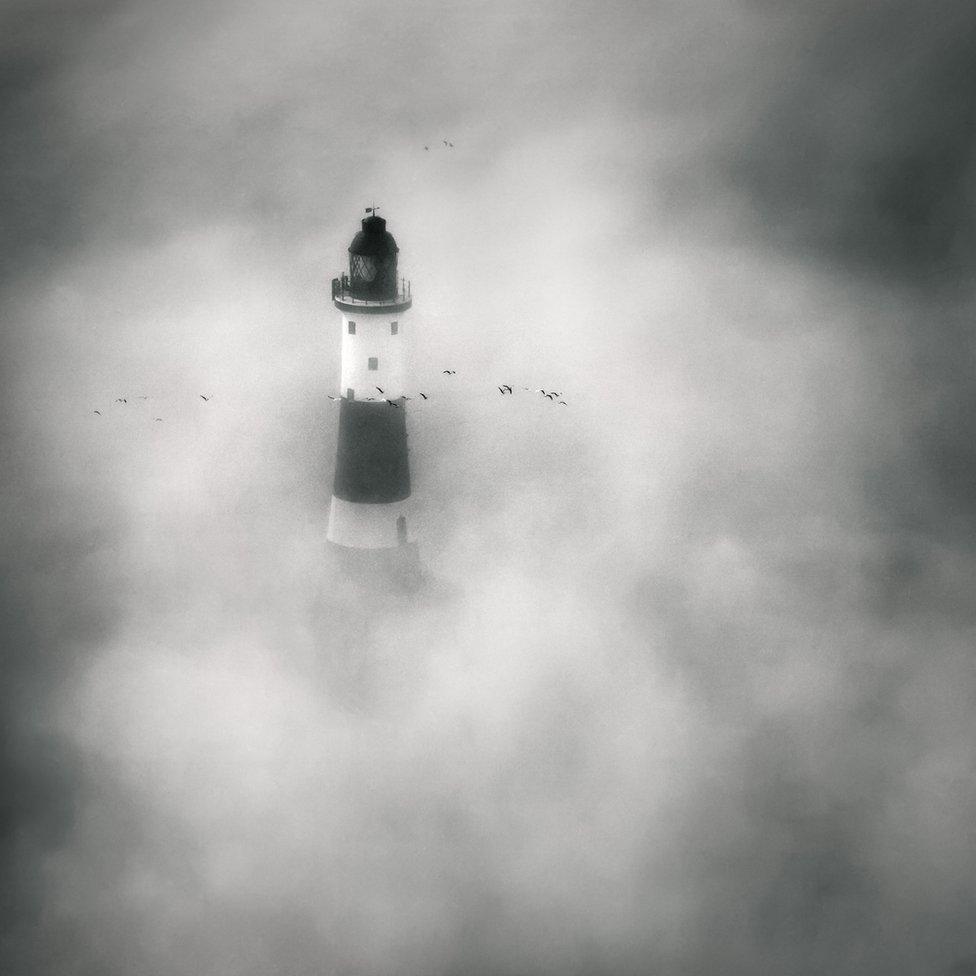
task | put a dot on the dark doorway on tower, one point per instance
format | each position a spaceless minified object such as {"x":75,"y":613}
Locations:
{"x":402,"y":530}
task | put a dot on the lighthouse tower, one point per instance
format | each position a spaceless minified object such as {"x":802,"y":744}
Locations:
{"x":369,"y":516}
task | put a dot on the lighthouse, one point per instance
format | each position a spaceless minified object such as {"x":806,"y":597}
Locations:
{"x":369,"y":519}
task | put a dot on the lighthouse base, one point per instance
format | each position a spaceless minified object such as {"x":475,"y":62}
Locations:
{"x":368,"y":525}
{"x":371,"y":541}
{"x":398,"y":567}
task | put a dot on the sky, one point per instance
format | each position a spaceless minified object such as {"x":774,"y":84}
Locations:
{"x":689,"y":688}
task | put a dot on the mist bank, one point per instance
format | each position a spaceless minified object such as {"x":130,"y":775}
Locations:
{"x":689,"y":688}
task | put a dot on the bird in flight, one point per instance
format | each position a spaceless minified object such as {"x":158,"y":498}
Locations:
{"x":564,"y":403}
{"x":451,"y":144}
{"x":142,"y":398}
{"x":445,"y":142}
{"x":424,"y":395}
{"x":449,"y":372}
{"x":157,"y":418}
{"x":379,"y":389}
{"x":121,"y":400}
{"x":427,"y":148}
{"x":331,"y":397}
{"x":202,"y":397}
{"x":391,"y":403}
{"x":99,"y":412}
{"x":505,"y":386}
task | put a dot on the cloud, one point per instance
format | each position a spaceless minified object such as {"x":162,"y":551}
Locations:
{"x":689,"y":690}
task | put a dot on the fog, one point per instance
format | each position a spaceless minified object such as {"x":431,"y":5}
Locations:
{"x":688,"y":688}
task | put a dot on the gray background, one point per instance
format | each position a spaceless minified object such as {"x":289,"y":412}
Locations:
{"x":691,"y":690}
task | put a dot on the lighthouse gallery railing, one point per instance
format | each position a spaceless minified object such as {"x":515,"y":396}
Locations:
{"x":343,"y":290}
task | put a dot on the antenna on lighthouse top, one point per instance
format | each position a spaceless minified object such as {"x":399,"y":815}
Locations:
{"x":372,"y":209}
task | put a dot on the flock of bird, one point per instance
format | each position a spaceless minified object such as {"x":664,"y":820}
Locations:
{"x":125,"y":400}
{"x":505,"y":389}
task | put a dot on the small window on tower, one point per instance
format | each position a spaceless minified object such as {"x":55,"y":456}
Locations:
{"x":374,"y":363}
{"x":394,"y":328}
{"x":352,"y":328}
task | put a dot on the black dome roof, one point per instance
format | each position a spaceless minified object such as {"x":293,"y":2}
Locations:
{"x":374,"y":240}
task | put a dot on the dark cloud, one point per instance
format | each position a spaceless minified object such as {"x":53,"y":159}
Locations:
{"x":867,"y":151}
